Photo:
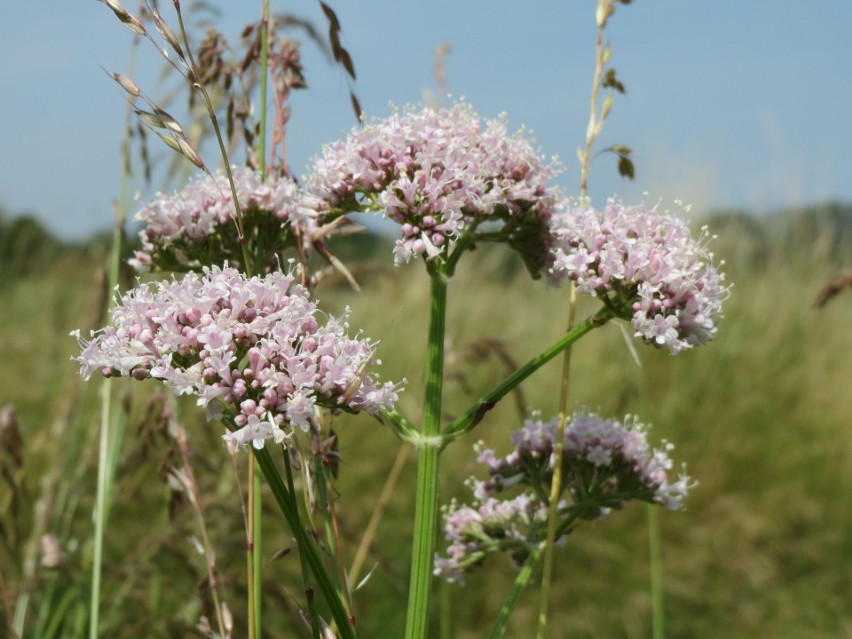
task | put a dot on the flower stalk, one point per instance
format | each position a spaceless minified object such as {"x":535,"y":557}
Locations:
{"x":108,"y":447}
{"x":256,"y":537}
{"x":426,"y":500}
{"x":556,"y":482}
{"x":468,"y":420}
{"x":307,"y":547}
{"x":196,"y":83}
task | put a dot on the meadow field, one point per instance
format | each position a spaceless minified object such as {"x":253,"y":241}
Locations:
{"x":761,"y":416}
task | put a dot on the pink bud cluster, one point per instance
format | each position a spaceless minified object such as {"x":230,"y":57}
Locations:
{"x":437,"y":174}
{"x":646,"y":265}
{"x":613,"y":456}
{"x":491,"y":526}
{"x":605,"y":464}
{"x":251,"y":348}
{"x":196,"y":227}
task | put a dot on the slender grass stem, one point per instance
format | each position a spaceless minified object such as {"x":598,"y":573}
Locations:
{"x":209,"y":560}
{"x":594,"y":125}
{"x":255,"y":509}
{"x":445,"y":628}
{"x":556,"y":480}
{"x":208,"y":103}
{"x":264,"y":73}
{"x":100,"y":508}
{"x":657,"y":616}
{"x":331,"y":538}
{"x":376,"y":517}
{"x":252,"y":630}
{"x":107,"y":449}
{"x":287,"y":505}
{"x":426,"y":501}
{"x":515,"y":593}
{"x":526,"y":571}
{"x":309,"y":591}
{"x":257,"y":547}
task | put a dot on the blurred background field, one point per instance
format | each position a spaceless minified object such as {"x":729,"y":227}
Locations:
{"x":761,"y":417}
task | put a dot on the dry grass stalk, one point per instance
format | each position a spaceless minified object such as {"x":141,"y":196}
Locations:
{"x":833,"y":288}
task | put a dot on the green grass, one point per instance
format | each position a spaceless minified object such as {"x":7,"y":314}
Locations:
{"x":761,"y":417}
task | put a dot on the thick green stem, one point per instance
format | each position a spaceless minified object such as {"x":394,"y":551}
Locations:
{"x":306,"y":546}
{"x":426,"y":504}
{"x":466,"y":422}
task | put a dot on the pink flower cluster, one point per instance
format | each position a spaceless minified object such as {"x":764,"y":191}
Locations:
{"x":606,"y":456}
{"x":494,"y":525}
{"x":646,"y":266}
{"x":196,"y":227}
{"x":252,"y":349}
{"x":605,"y":464}
{"x":439,"y":174}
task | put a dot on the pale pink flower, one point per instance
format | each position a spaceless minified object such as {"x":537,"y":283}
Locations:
{"x":606,"y":463}
{"x":252,"y":349}
{"x":645,"y":266}
{"x":442,"y":175}
{"x":196,"y":226}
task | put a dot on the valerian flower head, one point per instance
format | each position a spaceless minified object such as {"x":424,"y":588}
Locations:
{"x":196,"y":227}
{"x":645,"y":266}
{"x":609,"y":460}
{"x":444,"y":177}
{"x":488,"y":527}
{"x":252,"y":349}
{"x":605,"y":463}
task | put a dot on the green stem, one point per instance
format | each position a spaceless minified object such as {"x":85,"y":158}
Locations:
{"x":256,"y":552}
{"x":445,"y":629}
{"x":256,"y":542}
{"x":306,"y":546}
{"x":101,"y":506}
{"x":515,"y":593}
{"x":657,"y":622}
{"x":526,"y":571}
{"x":426,"y":501}
{"x":208,"y":103}
{"x":399,"y":425}
{"x":330,"y":538}
{"x":309,"y":592}
{"x":467,"y":421}
{"x":107,"y":449}
{"x":556,"y":480}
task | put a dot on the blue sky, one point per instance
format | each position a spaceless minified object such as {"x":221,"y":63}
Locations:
{"x":730,"y":103}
